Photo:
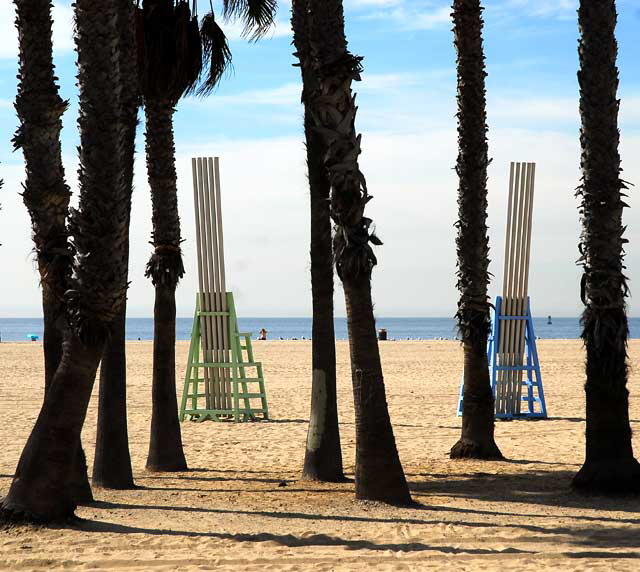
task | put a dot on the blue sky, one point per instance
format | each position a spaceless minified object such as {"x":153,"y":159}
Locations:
{"x":407,"y":108}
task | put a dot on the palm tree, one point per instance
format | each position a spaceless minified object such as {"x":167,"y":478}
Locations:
{"x":177,"y":58}
{"x":112,"y":460}
{"x":610,"y":466}
{"x":472,"y":242}
{"x":40,"y":488}
{"x":46,"y":194}
{"x":172,"y":55}
{"x":379,"y":474}
{"x":323,"y":456}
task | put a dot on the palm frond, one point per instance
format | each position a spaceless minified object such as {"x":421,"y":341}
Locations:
{"x":256,"y":15}
{"x":216,"y":54}
{"x":188,"y":50}
{"x":159,"y":48}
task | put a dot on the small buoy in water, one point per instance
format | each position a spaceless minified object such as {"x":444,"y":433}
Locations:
{"x":549,"y":321}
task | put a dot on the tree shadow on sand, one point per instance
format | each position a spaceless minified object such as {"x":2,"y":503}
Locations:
{"x":535,"y":487}
{"x":293,"y":541}
{"x":595,"y":539}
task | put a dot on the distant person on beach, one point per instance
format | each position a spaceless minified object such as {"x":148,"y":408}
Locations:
{"x":263,"y":334}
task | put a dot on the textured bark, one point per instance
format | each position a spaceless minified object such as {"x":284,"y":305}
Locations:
{"x":46,"y":194}
{"x":112,"y":461}
{"x":472,"y":242}
{"x":323,"y":455}
{"x":610,"y":466}
{"x":165,"y":270}
{"x":476,"y":441}
{"x":379,"y":474}
{"x":42,"y":487}
{"x":165,"y":446}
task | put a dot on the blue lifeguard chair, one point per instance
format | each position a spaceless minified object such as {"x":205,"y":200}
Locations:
{"x":531,"y":394}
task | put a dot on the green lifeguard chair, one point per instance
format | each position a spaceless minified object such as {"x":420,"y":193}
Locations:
{"x":229,"y":386}
{"x":223,"y":382}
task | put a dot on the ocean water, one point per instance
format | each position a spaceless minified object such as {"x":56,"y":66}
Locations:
{"x":18,"y":329}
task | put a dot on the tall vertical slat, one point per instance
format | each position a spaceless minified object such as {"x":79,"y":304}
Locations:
{"x":500,"y":385}
{"x":517,"y":293}
{"x":223,"y":279}
{"x":508,"y":301}
{"x":196,"y":167}
{"x":212,"y":342}
{"x":532,"y":185}
{"x":217,"y":288}
{"x":517,"y":303}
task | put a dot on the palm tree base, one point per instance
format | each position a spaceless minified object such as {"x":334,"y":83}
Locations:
{"x":325,"y":478}
{"x":115,"y":484}
{"x":608,"y":477}
{"x":10,"y":517}
{"x":324,"y":464}
{"x":79,"y":481}
{"x":167,"y":467}
{"x":81,"y":492}
{"x":467,"y":448}
{"x":15,"y":509}
{"x":402,"y":498}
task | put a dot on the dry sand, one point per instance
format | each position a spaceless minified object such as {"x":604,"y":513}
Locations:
{"x":228,"y":512}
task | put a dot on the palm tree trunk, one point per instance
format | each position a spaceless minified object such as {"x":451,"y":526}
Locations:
{"x":46,"y":194}
{"x":41,"y":490}
{"x":472,"y":243}
{"x":379,"y":474}
{"x":610,"y":466}
{"x":323,"y":455}
{"x":165,"y":270}
{"x":477,"y":440}
{"x":112,"y":460}
{"x":165,"y":447}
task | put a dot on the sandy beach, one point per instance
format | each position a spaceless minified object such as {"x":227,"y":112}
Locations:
{"x":229,"y":511}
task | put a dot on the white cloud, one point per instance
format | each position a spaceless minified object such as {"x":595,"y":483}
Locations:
{"x":62,"y":15}
{"x":428,"y":19}
{"x":288,"y":94}
{"x":429,"y":14}
{"x":522,"y":109}
{"x":377,"y":3}
{"x":408,"y":15}
{"x":533,"y":110}
{"x":562,"y":9}
{"x":411,"y":176}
